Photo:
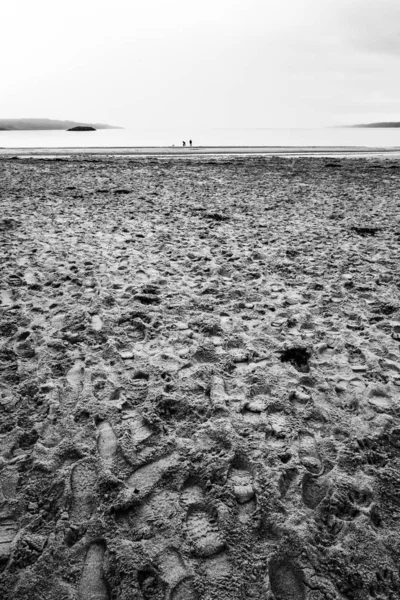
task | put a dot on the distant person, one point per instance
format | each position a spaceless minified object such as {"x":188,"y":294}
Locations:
{"x":190,"y":142}
{"x":183,"y":144}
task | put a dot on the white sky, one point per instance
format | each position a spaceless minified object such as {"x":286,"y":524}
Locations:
{"x":209,"y":63}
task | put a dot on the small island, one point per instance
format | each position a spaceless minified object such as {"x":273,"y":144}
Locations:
{"x":82,"y":128}
{"x":384,"y":125}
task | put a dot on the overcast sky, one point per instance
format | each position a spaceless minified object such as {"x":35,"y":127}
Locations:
{"x":209,"y":63}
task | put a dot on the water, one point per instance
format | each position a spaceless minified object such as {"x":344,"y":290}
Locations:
{"x":130,"y":138}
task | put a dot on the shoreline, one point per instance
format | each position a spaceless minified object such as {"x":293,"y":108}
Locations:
{"x":205,"y":151}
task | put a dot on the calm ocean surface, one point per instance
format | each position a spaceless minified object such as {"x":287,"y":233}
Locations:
{"x":120,"y":138}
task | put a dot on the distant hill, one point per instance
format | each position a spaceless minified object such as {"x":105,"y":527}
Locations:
{"x":388,"y":125}
{"x":45,"y":124}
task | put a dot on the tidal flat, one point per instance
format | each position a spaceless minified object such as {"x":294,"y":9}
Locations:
{"x":199,"y":378}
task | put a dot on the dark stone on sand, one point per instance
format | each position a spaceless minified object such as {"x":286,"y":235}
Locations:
{"x":216,"y":216}
{"x":8,"y":224}
{"x":81,"y":128}
{"x":298,"y":357}
{"x":365,"y":231}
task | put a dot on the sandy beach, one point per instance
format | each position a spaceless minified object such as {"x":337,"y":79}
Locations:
{"x":200,"y":377}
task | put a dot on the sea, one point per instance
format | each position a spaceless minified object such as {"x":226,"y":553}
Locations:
{"x":133,"y":138}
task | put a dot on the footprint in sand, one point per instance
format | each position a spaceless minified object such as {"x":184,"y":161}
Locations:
{"x":8,"y":528}
{"x":8,"y":484}
{"x":241,"y":481}
{"x":286,"y":480}
{"x":92,"y":585}
{"x":277,"y":430}
{"x":226,"y":323}
{"x":150,"y":585}
{"x":184,"y":591}
{"x":287,"y":581}
{"x":58,"y":320}
{"x":219,"y":570}
{"x":141,"y":277}
{"x":203,"y":533}
{"x":313,"y":490}
{"x":8,"y":531}
{"x":138,"y":429}
{"x":83,"y":482}
{"x":308,"y":453}
{"x":97,"y":323}
{"x":192,"y":494}
{"x":144,"y":520}
{"x":253,"y":411}
{"x":144,"y":480}
{"x":30,"y":278}
{"x":106,"y":442}
{"x":6,"y":298}
{"x":76,"y":373}
{"x":379,"y":397}
{"x":202,"y":529}
{"x":171,"y":568}
{"x":217,"y":393}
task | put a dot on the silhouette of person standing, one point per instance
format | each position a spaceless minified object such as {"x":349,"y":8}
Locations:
{"x":190,"y":142}
{"x":183,"y":143}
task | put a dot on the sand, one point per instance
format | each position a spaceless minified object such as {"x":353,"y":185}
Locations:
{"x":179,"y":151}
{"x":200,"y":379}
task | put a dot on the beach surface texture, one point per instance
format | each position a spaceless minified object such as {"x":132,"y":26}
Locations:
{"x":200,"y":378}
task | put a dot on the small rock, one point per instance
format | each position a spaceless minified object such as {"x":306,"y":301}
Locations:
{"x":359,"y":368}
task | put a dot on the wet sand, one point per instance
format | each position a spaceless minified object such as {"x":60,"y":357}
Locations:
{"x":200,"y":378}
{"x":179,"y":151}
